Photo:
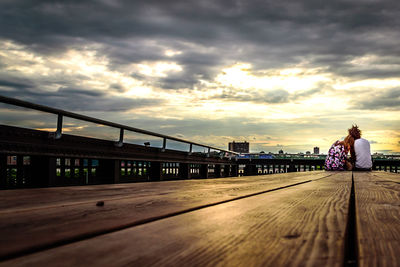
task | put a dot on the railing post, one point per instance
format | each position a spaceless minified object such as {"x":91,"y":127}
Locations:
{"x":58,"y":133}
{"x":191,"y":149}
{"x":164,"y":144}
{"x":208,"y":153}
{"x":121,"y":138}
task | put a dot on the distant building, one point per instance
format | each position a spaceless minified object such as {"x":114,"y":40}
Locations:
{"x":240,"y":147}
{"x":308,"y":153}
{"x":280,"y":151}
{"x":316,"y":150}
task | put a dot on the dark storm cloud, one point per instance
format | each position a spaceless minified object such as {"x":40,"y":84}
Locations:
{"x":234,"y":126}
{"x":389,"y":100}
{"x":203,"y":127}
{"x":13,"y":84}
{"x":370,"y":73}
{"x":212,"y":34}
{"x":196,"y":66}
{"x":270,"y":96}
{"x":116,"y":87}
{"x":176,"y":82}
{"x":74,"y":99}
{"x":308,"y":93}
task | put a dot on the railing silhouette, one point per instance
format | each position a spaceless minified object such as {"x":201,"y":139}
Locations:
{"x":62,"y":113}
{"x":34,"y":158}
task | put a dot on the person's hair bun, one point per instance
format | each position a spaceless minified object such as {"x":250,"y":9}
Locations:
{"x":355,"y":132}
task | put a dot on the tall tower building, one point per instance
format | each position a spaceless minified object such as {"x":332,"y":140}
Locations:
{"x":240,"y":147}
{"x":316,"y":150}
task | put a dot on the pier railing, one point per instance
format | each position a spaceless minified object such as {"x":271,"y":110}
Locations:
{"x":62,"y":113}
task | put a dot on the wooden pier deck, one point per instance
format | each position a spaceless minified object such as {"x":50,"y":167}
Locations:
{"x":293,"y":219}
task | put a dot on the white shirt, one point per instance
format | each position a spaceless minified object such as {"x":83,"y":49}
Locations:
{"x":363,"y":153}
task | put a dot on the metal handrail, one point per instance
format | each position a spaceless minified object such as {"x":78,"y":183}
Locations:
{"x":62,"y":113}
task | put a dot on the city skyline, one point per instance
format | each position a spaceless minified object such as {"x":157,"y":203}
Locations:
{"x":288,"y":75}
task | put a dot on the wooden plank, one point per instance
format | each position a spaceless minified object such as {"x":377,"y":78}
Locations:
{"x":71,"y":213}
{"x":386,"y":176}
{"x":303,"y":225}
{"x":377,"y":200}
{"x":27,"y":199}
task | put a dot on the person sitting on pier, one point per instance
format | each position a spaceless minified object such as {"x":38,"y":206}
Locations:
{"x":336,"y":160}
{"x":362,"y":160}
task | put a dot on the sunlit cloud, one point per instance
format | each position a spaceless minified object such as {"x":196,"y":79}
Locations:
{"x":277,"y":75}
{"x":367,"y":84}
{"x":171,"y":53}
{"x":158,"y":69}
{"x":240,"y":76}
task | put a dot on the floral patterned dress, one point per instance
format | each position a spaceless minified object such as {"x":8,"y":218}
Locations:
{"x":336,"y":158}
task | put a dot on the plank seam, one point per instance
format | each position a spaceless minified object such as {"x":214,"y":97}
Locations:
{"x":351,"y":244}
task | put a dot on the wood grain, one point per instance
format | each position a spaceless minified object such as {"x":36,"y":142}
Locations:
{"x":21,"y":199}
{"x":70,"y":213}
{"x":387,"y":176}
{"x":302,"y":225}
{"x":377,"y":197}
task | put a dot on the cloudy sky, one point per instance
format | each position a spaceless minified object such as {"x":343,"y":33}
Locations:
{"x":278,"y":74}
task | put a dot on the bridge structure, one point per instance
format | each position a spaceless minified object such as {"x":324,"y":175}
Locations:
{"x":259,"y":164}
{"x":38,"y":158}
{"x":35,"y":158}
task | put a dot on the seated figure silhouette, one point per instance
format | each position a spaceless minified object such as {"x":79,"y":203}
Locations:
{"x":336,"y":160}
{"x":362,"y":150}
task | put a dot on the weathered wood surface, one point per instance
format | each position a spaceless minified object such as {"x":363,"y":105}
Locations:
{"x":377,"y":198}
{"x":33,"y":219}
{"x":302,"y":225}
